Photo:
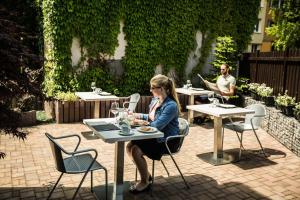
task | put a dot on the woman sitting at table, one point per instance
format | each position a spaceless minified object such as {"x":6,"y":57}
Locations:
{"x":163,"y":114}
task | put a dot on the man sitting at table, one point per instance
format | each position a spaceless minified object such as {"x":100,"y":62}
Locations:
{"x":224,"y":87}
{"x":163,"y":114}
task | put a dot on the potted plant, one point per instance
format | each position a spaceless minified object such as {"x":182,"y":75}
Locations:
{"x":243,"y":86}
{"x":266,"y":94}
{"x":253,"y":90}
{"x":297,"y":111}
{"x":286,"y":103}
{"x":27,"y":106}
{"x":244,"y":89}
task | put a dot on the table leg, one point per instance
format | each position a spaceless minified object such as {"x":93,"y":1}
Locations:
{"x":218,"y":156}
{"x":119,"y":171}
{"x":191,"y":112}
{"x":96,"y":110}
{"x":218,"y":151}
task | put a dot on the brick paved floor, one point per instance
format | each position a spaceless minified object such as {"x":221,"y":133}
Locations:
{"x":28,"y":170}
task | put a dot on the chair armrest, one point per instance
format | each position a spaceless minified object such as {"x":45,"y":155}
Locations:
{"x":128,"y":102}
{"x":255,"y":116}
{"x":67,"y":136}
{"x":170,"y":138}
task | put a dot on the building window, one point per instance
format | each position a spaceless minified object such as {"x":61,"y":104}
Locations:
{"x":255,"y":47}
{"x":275,"y":3}
{"x":257,"y":26}
{"x":270,"y":23}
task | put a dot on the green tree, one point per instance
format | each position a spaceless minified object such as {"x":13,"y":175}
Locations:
{"x":286,"y":29}
{"x":225,"y":52}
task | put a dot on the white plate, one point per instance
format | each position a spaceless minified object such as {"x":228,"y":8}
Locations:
{"x":198,"y":89}
{"x":126,"y":134}
{"x":151,"y":130}
{"x":226,"y":106}
{"x":105,"y":93}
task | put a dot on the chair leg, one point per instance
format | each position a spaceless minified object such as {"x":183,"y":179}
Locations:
{"x":153,"y":172}
{"x":241,"y":144}
{"x":151,"y":189}
{"x":106,"y":183}
{"x":80,"y":184}
{"x":239,"y":139}
{"x":187,"y":186}
{"x":92,"y":181}
{"x":260,"y":144}
{"x":54,"y":186}
{"x":222,"y":136}
{"x":165,"y":167}
{"x":136,"y":173}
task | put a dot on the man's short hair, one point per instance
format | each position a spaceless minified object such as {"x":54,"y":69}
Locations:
{"x":226,"y":65}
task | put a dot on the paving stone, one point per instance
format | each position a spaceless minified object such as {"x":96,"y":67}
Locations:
{"x":29,"y":169}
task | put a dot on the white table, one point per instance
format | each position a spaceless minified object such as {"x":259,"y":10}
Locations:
{"x":192,"y":93}
{"x":91,"y":96}
{"x":218,"y":157}
{"x":119,"y":140}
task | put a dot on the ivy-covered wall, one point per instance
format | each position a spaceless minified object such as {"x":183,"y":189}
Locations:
{"x":157,"y":32}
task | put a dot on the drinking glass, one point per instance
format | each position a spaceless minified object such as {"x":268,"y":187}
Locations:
{"x":211,"y":98}
{"x":93,"y":86}
{"x":188,"y":84}
{"x":114,"y":108}
{"x":131,"y":118}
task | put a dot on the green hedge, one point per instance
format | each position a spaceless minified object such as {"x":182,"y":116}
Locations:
{"x":157,"y":32}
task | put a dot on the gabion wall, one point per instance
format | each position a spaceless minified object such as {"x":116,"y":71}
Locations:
{"x":284,"y":129}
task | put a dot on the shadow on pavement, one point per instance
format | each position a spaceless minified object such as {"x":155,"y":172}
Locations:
{"x":172,"y":187}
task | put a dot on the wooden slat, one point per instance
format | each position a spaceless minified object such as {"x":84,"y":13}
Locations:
{"x":87,"y":107}
{"x":92,"y":109}
{"x":66,"y":112}
{"x":81,"y":110}
{"x":102,"y":109}
{"x":77,"y":111}
{"x":59,"y":112}
{"x":71,"y":111}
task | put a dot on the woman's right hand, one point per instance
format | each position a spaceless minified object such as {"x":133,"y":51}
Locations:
{"x":141,"y":122}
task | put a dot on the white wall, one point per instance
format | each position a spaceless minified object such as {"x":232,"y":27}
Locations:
{"x":120,"y":52}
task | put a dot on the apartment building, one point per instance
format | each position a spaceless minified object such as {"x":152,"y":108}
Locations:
{"x":260,"y":40}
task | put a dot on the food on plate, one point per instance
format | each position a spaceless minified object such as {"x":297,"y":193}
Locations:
{"x":145,"y":128}
{"x":138,"y":122}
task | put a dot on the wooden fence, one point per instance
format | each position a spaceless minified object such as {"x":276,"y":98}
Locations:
{"x":279,"y":70}
{"x":68,"y":112}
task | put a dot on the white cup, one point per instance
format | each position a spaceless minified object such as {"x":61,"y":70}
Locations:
{"x":98,"y":90}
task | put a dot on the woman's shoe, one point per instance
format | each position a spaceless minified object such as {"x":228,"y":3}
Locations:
{"x":135,"y":191}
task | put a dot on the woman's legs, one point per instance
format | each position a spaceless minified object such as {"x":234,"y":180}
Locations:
{"x":137,"y":155}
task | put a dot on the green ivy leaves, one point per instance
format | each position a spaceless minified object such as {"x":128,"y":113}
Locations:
{"x":157,"y":33}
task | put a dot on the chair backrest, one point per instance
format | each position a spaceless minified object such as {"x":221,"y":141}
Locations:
{"x":57,"y":153}
{"x":183,"y":130}
{"x":260,"y":113}
{"x":134,"y":99}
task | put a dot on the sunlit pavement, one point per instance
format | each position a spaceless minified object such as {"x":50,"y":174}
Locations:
{"x":28,"y":170}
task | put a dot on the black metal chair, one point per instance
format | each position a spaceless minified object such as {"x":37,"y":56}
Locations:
{"x":79,"y":161}
{"x":183,"y":131}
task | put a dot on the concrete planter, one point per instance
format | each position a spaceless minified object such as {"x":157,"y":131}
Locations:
{"x":283,"y":128}
{"x":27,"y":118}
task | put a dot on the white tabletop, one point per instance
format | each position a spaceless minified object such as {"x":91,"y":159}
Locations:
{"x":218,"y":111}
{"x":192,"y":91}
{"x":114,"y":136}
{"x":91,"y":96}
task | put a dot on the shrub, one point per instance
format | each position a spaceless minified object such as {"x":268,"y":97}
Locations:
{"x":285,"y":100}
{"x":66,"y":96}
{"x":253,"y":87}
{"x":264,"y":91}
